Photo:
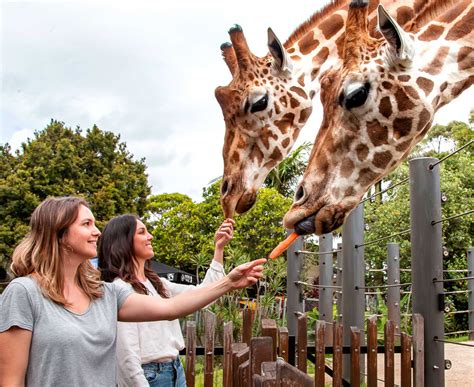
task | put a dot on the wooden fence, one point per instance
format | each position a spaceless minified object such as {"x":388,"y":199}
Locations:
{"x":265,"y":360}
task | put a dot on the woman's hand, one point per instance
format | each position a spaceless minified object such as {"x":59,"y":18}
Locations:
{"x":224,"y":233}
{"x":246,"y":274}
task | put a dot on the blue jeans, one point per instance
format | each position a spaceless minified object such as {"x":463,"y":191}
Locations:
{"x":169,"y":374}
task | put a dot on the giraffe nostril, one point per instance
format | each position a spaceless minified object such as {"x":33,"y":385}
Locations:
{"x":299,"y":193}
{"x":224,"y":187}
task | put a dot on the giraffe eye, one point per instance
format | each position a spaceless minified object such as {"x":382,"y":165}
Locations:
{"x":260,"y":105}
{"x":357,"y":97}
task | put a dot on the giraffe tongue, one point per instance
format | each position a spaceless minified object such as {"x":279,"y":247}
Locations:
{"x":306,"y":226}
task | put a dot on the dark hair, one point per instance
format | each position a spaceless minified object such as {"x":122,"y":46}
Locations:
{"x":116,"y":255}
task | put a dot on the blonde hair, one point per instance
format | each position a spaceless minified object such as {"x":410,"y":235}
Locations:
{"x":39,"y":253}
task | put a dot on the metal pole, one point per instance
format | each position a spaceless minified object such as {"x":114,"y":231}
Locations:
{"x":353,"y":300}
{"x":393,"y":293}
{"x":294,"y":266}
{"x":339,"y":282}
{"x":427,"y":262}
{"x":470,"y":288}
{"x":325,"y":278}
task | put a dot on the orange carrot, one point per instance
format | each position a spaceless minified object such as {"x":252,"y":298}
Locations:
{"x":282,"y":246}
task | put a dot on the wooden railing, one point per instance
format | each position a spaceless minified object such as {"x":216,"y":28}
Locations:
{"x":263,"y":361}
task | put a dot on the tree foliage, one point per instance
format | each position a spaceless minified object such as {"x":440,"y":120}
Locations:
{"x":63,"y":161}
{"x":184,"y":230}
{"x":457,"y":186}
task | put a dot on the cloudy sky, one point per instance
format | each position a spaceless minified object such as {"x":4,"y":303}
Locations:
{"x":146,"y":70}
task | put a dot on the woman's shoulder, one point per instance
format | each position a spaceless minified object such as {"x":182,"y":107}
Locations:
{"x":27,"y":283}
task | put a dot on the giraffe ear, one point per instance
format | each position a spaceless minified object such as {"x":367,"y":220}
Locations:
{"x":401,"y":47}
{"x":281,"y":57}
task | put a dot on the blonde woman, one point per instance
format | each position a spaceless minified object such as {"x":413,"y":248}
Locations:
{"x":58,"y":320}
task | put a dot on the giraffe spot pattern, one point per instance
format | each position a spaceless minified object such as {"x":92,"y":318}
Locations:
{"x":436,"y":65}
{"x":424,"y":122}
{"x":386,"y":85}
{"x":330,"y":26}
{"x":403,"y":101}
{"x":425,"y":84}
{"x":276,"y":154}
{"x":377,"y":133}
{"x":403,"y":146}
{"x":411,"y":92}
{"x":299,"y":91}
{"x":347,"y":166}
{"x":385,"y":107}
{"x":404,"y":15}
{"x":462,"y":27}
{"x":301,"y":80}
{"x":381,"y":159}
{"x":294,"y":103}
{"x":256,"y":154}
{"x":308,"y":43}
{"x":460,"y":86}
{"x":295,"y":57}
{"x":283,"y":101}
{"x":453,"y":12}
{"x":321,"y":57}
{"x":285,"y":122}
{"x":433,"y":32}
{"x":465,"y":58}
{"x":235,"y":157}
{"x":366,"y":177}
{"x":362,"y":151}
{"x":403,"y":78}
{"x":305,"y":113}
{"x":402,"y":127}
{"x":285,"y":142}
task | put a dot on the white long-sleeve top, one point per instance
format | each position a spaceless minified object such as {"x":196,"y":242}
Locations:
{"x":144,"y":342}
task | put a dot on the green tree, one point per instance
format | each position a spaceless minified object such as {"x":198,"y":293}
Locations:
{"x":457,"y":185}
{"x":63,"y":161}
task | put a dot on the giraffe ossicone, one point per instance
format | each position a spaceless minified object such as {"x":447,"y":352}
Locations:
{"x":378,"y":103}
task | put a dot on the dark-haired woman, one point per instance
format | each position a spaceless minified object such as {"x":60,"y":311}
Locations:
{"x":148,"y":352}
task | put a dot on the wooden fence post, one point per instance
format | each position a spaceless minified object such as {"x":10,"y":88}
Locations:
{"x":228,"y":340}
{"x":289,"y":376}
{"x":389,"y":355}
{"x":302,"y":343}
{"x":405,"y":362}
{"x":269,"y":328}
{"x":355,"y":357}
{"x":337,"y":354}
{"x":190,"y":353}
{"x":261,"y":350}
{"x":283,"y":343}
{"x":247,"y":325}
{"x":372,"y":352}
{"x":209,"y":330}
{"x":319,"y":364}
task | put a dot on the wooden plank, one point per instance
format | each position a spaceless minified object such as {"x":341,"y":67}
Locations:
{"x":247,"y":325}
{"x":389,"y":354}
{"x":372,"y":352}
{"x":355,"y":357}
{"x":268,"y":376}
{"x":261,"y":349}
{"x":283,"y":343}
{"x":209,"y":332}
{"x":337,"y":355}
{"x":405,"y":363}
{"x":244,"y":374}
{"x":418,"y":351}
{"x":190,"y":353}
{"x":289,"y":376}
{"x":228,"y":341}
{"x":238,"y":357}
{"x":302,"y":342}
{"x":269,"y":369}
{"x":269,"y":328}
{"x":319,"y":370}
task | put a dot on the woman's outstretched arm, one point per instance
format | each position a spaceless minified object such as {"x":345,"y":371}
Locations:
{"x":139,"y":307}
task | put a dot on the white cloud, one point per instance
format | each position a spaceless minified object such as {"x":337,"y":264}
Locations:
{"x":146,"y":70}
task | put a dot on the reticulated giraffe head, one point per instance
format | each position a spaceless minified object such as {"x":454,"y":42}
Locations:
{"x":264,"y":108}
{"x":378,"y":104}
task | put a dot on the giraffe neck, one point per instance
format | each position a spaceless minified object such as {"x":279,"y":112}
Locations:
{"x":447,"y":53}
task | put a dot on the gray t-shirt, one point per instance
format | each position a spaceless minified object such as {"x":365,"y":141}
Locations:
{"x":67,"y":349}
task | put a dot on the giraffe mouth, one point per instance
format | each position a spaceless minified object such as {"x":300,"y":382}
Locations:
{"x":325,"y":220}
{"x":246,"y":202}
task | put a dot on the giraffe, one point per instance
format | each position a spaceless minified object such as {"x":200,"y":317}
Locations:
{"x":270,"y":99}
{"x":379,"y":102}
